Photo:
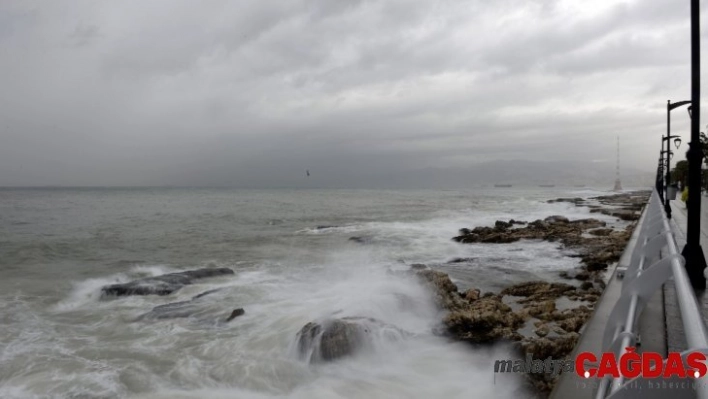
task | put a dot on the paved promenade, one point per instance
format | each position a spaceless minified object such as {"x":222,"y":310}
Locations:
{"x":678,"y":223}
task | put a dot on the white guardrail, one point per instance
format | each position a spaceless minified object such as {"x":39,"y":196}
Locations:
{"x":654,"y":260}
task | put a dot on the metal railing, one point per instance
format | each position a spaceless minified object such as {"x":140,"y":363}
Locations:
{"x":654,"y":260}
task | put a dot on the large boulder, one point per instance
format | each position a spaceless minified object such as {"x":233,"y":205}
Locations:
{"x":336,"y":338}
{"x":162,"y":285}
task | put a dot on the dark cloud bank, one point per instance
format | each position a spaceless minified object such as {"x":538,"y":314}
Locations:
{"x":391,"y":93}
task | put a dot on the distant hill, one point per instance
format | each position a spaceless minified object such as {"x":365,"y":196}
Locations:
{"x":523,"y":173}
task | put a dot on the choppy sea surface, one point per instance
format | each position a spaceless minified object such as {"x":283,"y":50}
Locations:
{"x":293,"y":263}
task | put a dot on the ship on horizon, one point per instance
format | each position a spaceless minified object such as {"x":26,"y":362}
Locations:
{"x":546,"y":185}
{"x":502,"y":185}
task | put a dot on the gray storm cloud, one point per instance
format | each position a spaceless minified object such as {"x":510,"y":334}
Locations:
{"x":252,"y":93}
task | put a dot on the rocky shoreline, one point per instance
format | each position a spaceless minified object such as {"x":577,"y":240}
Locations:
{"x":540,"y":318}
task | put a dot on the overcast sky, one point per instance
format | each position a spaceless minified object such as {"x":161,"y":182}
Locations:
{"x":235,"y":92}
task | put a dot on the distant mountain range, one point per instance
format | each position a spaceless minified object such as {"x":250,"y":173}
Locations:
{"x":353,"y":174}
{"x":517,"y":173}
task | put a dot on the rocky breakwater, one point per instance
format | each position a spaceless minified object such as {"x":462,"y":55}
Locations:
{"x":596,"y":245}
{"x":525,"y":315}
{"x":540,"y":318}
{"x":625,"y":206}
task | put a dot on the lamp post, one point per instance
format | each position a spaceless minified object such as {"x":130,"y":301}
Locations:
{"x":692,"y":252}
{"x":677,"y":142}
{"x":669,"y":107}
{"x":660,"y":174}
{"x":660,"y":177}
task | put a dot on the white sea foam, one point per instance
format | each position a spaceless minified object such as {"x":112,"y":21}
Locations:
{"x":73,"y":344}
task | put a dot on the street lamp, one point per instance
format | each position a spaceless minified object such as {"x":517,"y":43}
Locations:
{"x":669,"y":107}
{"x":660,"y":174}
{"x":692,"y":252}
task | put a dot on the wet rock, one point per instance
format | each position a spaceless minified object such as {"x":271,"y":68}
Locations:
{"x":582,"y":275}
{"x":162,"y":285}
{"x":205,"y":293}
{"x":541,"y":348}
{"x":588,"y":223}
{"x":587,"y":285}
{"x":626,"y":215}
{"x":537,"y":224}
{"x":575,"y":200}
{"x":555,"y":347}
{"x":574,"y":323}
{"x":542,"y":331}
{"x":444,"y":290}
{"x":182,"y":309}
{"x":360,"y":239}
{"x":556,"y":219}
{"x":461,"y":260}
{"x":236,"y":313}
{"x":472,"y":294}
{"x":541,"y":310}
{"x":572,"y":319}
{"x":336,"y":338}
{"x":173,"y":310}
{"x":519,"y":222}
{"x":558,"y":331}
{"x":502,"y":225}
{"x":418,"y":266}
{"x":484,"y":320}
{"x":601,"y":232}
{"x":594,"y":266}
{"x":553,"y":228}
{"x":537,"y":290}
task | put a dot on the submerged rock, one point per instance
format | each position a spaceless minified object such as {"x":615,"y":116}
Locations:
{"x":361,"y":239}
{"x":182,"y":309}
{"x":556,"y":219}
{"x":236,"y":313}
{"x":336,"y":338}
{"x":162,"y":285}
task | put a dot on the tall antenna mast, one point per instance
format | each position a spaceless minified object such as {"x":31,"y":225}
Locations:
{"x":618,"y":184}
